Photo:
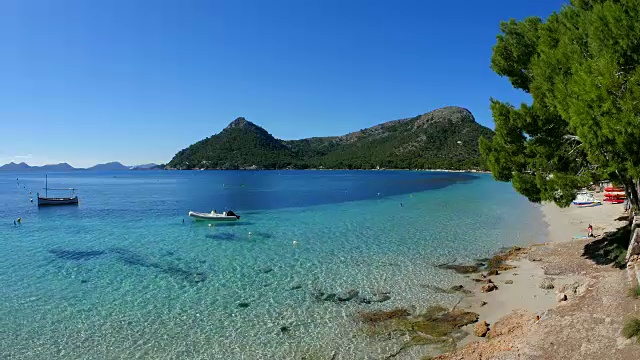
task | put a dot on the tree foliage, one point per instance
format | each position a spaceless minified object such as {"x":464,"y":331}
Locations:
{"x":581,"y":68}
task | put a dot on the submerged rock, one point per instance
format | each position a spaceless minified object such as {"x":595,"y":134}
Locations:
{"x":380,"y":315}
{"x":436,"y":326}
{"x":461,"y":269}
{"x":493,"y":272}
{"x":295,"y":287}
{"x":508,"y":282}
{"x":561,"y":297}
{"x":328,"y":297}
{"x":317,"y":294}
{"x":348,"y":295}
{"x":381,"y":298}
{"x":243,"y":305}
{"x":198,"y":277}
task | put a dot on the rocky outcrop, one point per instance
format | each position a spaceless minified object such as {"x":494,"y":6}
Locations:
{"x":547,"y":284}
{"x":481,"y":329}
{"x":488,"y":288}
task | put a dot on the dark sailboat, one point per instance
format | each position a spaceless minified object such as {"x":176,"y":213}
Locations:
{"x":46,"y":200}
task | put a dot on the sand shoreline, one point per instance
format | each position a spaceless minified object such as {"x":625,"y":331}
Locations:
{"x":525,"y":318}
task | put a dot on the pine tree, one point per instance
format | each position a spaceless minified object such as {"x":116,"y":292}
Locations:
{"x":581,"y":68}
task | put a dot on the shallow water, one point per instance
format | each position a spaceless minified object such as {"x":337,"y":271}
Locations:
{"x":121,"y":275}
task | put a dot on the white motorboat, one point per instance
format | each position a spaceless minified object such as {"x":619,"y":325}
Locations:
{"x":585,"y":200}
{"x":214,"y":216}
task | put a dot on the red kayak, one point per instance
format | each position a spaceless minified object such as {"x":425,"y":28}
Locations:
{"x":614,"y":189}
{"x":615,"y":195}
{"x":614,"y":201}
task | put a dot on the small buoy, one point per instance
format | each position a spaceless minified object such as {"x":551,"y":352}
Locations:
{"x":250,"y":233}
{"x":210,"y":225}
{"x":378,"y":194}
{"x":183,"y":221}
{"x":19,"y":220}
{"x":31,"y":199}
{"x":295,"y":243}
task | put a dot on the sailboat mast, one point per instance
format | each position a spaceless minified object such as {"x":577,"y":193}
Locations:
{"x":46,"y":186}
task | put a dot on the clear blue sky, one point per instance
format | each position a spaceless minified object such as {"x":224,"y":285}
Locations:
{"x":136,"y":81}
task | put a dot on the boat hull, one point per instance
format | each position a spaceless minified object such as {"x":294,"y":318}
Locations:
{"x":587,"y":204}
{"x":212,"y":217}
{"x":57,"y":201}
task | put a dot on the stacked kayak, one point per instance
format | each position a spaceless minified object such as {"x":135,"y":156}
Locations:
{"x":613,"y":189}
{"x":614,"y":195}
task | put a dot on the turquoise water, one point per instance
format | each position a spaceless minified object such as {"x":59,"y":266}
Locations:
{"x":121,"y":275}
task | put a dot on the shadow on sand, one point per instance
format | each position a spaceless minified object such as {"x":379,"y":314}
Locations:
{"x":611,"y":249}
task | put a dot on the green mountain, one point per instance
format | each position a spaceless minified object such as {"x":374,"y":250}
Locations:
{"x":446,"y":138}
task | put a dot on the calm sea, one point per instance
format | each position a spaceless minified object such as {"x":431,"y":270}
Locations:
{"x":127,"y":274}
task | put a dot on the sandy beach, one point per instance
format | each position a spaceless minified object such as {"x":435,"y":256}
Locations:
{"x":581,"y":312}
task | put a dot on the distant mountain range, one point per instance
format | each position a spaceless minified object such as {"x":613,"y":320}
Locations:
{"x":445,"y":138}
{"x":110,"y":166}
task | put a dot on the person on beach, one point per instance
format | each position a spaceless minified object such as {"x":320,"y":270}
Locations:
{"x":590,"y":231}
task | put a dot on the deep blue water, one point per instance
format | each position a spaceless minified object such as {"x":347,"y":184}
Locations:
{"x":122,"y":276}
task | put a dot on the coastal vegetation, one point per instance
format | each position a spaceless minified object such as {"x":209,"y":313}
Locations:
{"x":581,"y":68}
{"x":446,"y":138}
{"x":632,"y":329}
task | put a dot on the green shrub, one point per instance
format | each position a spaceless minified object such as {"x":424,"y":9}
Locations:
{"x":632,"y":329}
{"x":634,"y":292}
